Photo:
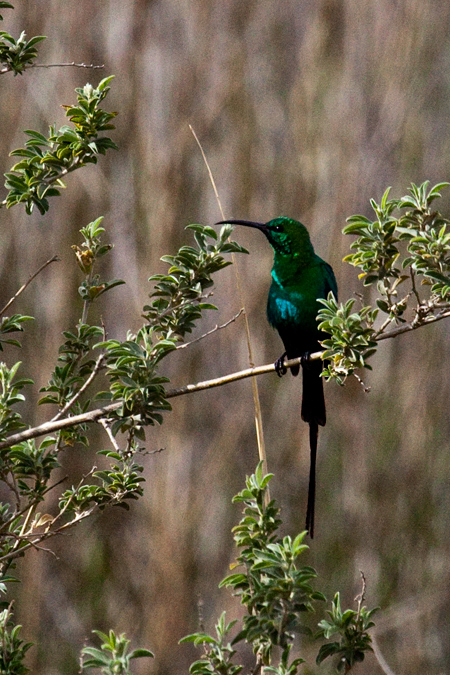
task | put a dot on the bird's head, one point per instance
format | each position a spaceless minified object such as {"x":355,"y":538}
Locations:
{"x":288,"y":237}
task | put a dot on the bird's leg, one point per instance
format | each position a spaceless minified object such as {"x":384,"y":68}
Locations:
{"x":280,"y":368}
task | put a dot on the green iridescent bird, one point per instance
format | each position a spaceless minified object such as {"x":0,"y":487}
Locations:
{"x":299,"y":279}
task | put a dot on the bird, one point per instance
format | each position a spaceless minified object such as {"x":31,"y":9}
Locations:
{"x":299,"y":280}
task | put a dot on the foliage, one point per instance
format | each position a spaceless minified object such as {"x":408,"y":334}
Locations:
{"x":46,"y":160}
{"x":113,"y":657}
{"x":393,"y":252}
{"x":218,"y":651}
{"x":5,"y":5}
{"x":12,"y":324}
{"x":9,"y":396}
{"x":275,"y":593}
{"x":16,"y":55}
{"x":352,"y":627}
{"x":177,"y":303}
{"x":13,"y":648}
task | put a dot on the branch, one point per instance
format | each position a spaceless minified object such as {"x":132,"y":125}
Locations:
{"x":95,"y":415}
{"x":27,"y":283}
{"x":213,"y":330}
{"x":413,"y":326}
{"x":8,"y":69}
{"x":70,"y":403}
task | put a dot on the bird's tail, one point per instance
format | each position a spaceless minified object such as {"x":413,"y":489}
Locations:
{"x":313,"y":434}
{"x":313,"y":400}
{"x":313,"y":412}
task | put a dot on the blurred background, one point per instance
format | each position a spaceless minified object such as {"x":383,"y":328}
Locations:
{"x":305,"y":108}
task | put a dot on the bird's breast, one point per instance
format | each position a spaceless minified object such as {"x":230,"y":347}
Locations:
{"x":292,"y":307}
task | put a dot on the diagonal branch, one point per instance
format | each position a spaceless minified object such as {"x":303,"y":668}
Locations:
{"x":95,"y":415}
{"x":27,"y":283}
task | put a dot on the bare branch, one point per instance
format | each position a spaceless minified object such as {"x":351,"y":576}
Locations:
{"x":27,"y":283}
{"x":8,"y":69}
{"x":107,"y":428}
{"x":413,"y":326}
{"x":82,"y":389}
{"x":213,"y":330}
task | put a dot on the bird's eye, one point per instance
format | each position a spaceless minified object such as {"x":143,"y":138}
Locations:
{"x":278,"y":228}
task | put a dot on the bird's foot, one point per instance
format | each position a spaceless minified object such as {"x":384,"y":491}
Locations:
{"x":280,"y":368}
{"x":305,"y":358}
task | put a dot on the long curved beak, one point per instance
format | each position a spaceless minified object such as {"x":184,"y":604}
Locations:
{"x":246,"y":223}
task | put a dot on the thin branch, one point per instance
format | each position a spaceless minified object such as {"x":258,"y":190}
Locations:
{"x":27,"y":283}
{"x":362,"y":595}
{"x":82,"y":389}
{"x":413,"y":284}
{"x":107,"y":428}
{"x":213,"y":330}
{"x":366,"y":389}
{"x":411,"y":326}
{"x":8,"y":69}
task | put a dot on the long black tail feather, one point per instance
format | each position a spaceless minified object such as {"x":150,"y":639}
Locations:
{"x":313,"y":434}
{"x":313,"y":400}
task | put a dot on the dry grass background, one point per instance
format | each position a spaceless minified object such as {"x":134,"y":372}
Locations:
{"x":305,"y":108}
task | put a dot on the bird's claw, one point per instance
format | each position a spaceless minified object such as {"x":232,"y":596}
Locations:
{"x":305,"y":358}
{"x":280,"y":368}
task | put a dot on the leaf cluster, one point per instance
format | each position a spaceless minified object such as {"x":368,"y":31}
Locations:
{"x":117,"y":484}
{"x":17,"y":55}
{"x":351,"y":340}
{"x":12,"y":324}
{"x":177,"y":304}
{"x":274,"y":591}
{"x":218,"y":652}
{"x":10,"y":420}
{"x":13,"y":648}
{"x":113,"y":657}
{"x":178,"y":296}
{"x":408,"y":242}
{"x":352,"y":627}
{"x":45,"y":160}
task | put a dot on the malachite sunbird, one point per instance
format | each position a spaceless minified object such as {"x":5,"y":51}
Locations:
{"x":299,"y":279}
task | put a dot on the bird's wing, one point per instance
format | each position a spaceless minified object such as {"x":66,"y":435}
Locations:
{"x":330,"y":280}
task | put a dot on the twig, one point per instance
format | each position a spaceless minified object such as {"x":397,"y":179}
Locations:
{"x":362,"y":595}
{"x":366,"y":389}
{"x":16,"y":514}
{"x":411,"y":326}
{"x":27,"y":283}
{"x":413,"y":284}
{"x":213,"y":330}
{"x":107,"y":428}
{"x":8,"y":69}
{"x":82,"y":389}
